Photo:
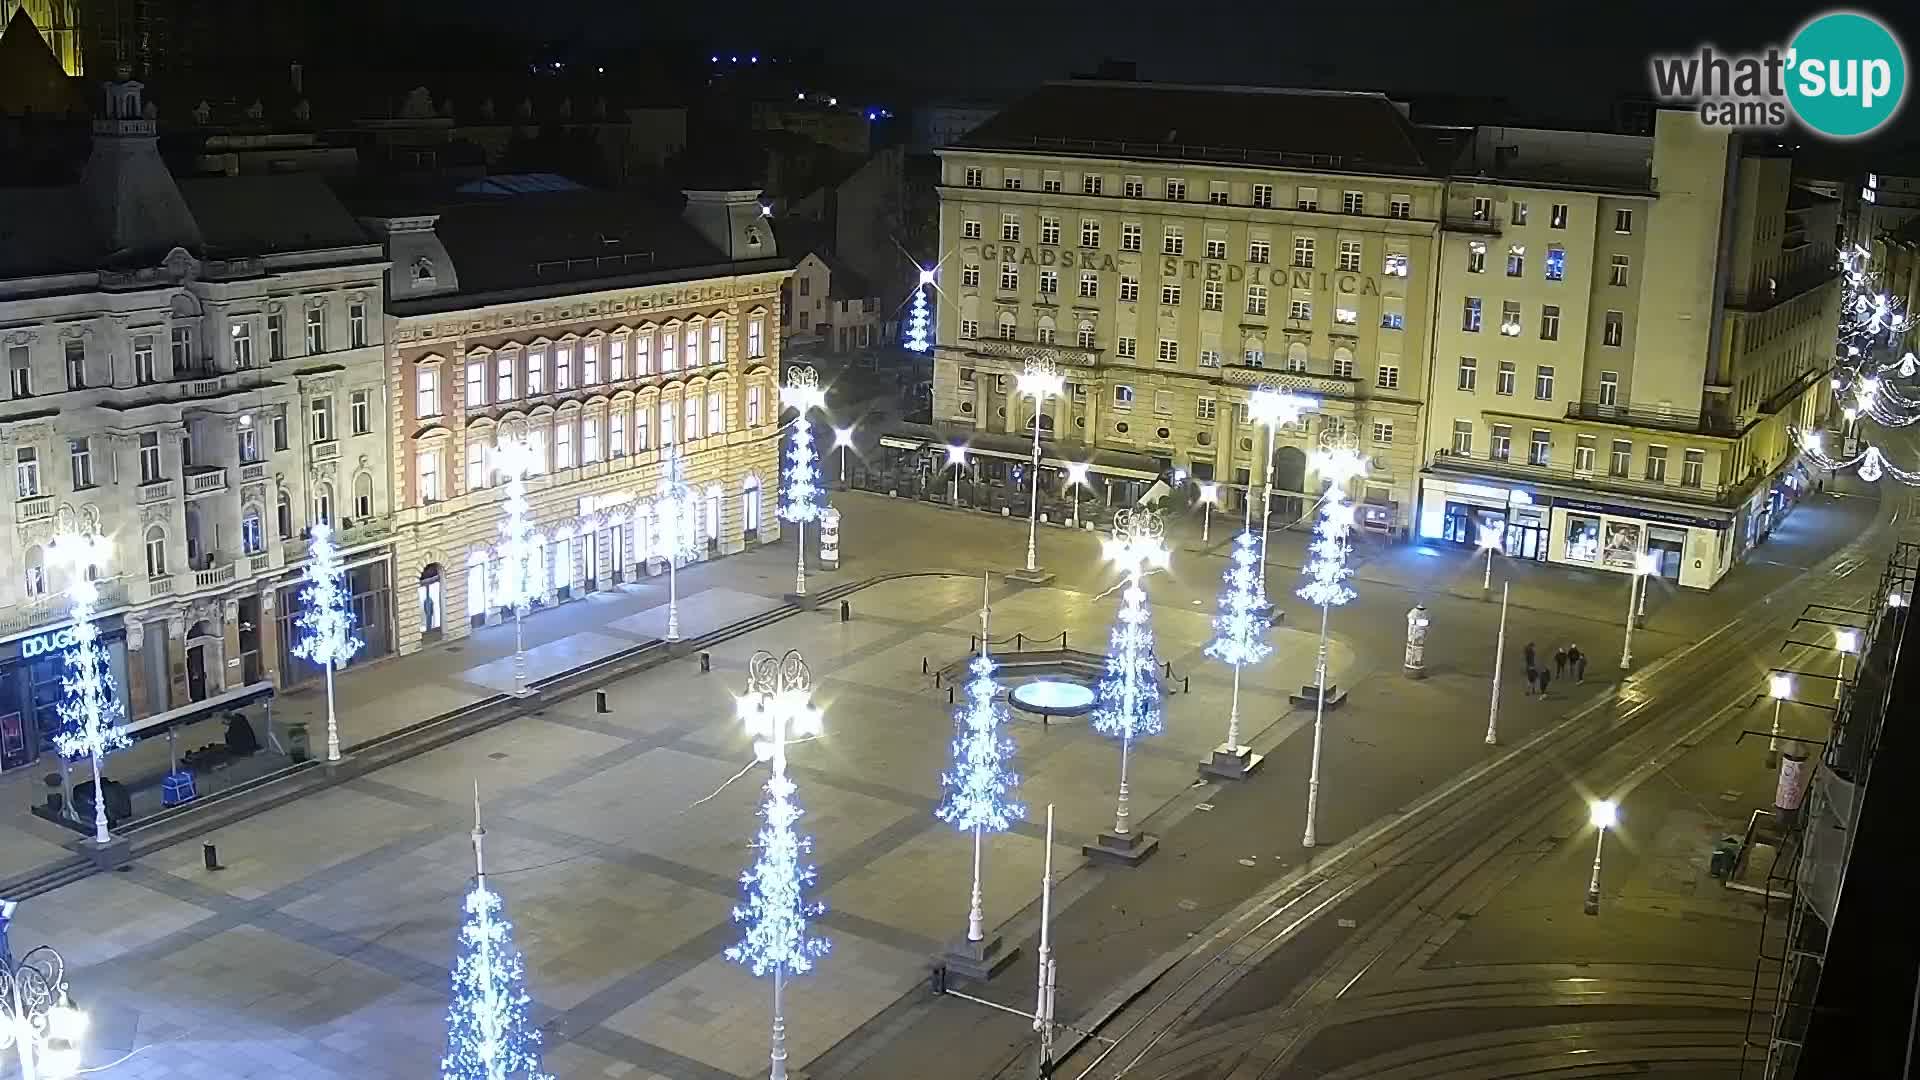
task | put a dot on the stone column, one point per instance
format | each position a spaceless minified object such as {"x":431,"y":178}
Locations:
{"x":139,"y":704}
{"x":231,"y":667}
{"x":269,"y":637}
{"x":177,"y":655}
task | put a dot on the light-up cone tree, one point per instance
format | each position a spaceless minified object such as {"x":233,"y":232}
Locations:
{"x":802,"y":392}
{"x":90,"y":713}
{"x":775,"y":917}
{"x":679,"y":536}
{"x":1271,"y":409}
{"x":1338,"y":462}
{"x":980,"y":784}
{"x":919,"y":317}
{"x":513,"y":458}
{"x":326,"y":624}
{"x":490,"y":1035}
{"x":1239,"y":639}
{"x":1127,"y":700}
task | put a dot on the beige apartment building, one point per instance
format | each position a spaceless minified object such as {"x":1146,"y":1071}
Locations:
{"x":1170,"y":248}
{"x":603,"y":328}
{"x":1627,"y":329}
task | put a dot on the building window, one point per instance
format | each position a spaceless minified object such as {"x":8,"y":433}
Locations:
{"x":1583,"y":447}
{"x":1299,"y":308}
{"x":80,"y":454}
{"x":1217,"y":193}
{"x":589,"y":440}
{"x":1130,"y":236}
{"x":1259,"y":251}
{"x":1482,"y":208}
{"x":280,"y":439}
{"x":1692,"y":464}
{"x":1470,"y":315}
{"x":1009,"y":277}
{"x":756,"y":337}
{"x":276,"y":335}
{"x":1353,"y":202}
{"x":1010,"y":228}
{"x":182,"y":347}
{"x":1044,"y":332}
{"x":969,"y":230}
{"x":1622,"y":459}
{"x":1091,"y":184}
{"x":320,"y":420}
{"x":563,"y":360}
{"x":1556,"y":262}
{"x":617,"y":433}
{"x":1049,"y":282}
{"x":1500,"y":445}
{"x":363,"y":495}
{"x":247,"y":442}
{"x":316,"y":331}
{"x":143,"y":368}
{"x":617,"y":359}
{"x":1169,"y":351}
{"x":1125,"y":348}
{"x":429,"y":473}
{"x":1050,"y":230}
{"x":357,"y":323}
{"x":1614,"y":330}
{"x":1216,"y":249}
{"x":1383,"y":433}
{"x":1170,"y":294}
{"x":1089,"y":284}
{"x":1510,"y":318}
{"x":1517,"y":213}
{"x":426,"y":392}
{"x":156,"y":544}
{"x":716,"y":412}
{"x":1504,"y":379}
{"x":1209,"y":358}
{"x":1463,"y":438}
{"x":1205,"y":408}
{"x":1256,"y":299}
{"x":360,"y":411}
{"x":1089,"y":233}
{"x":1085,"y":339}
{"x":1122,"y":396}
{"x":537,"y":368}
{"x":1657,"y":463}
{"x":969,"y":329}
{"x":1550,"y":322}
{"x":1050,"y":182}
{"x":1306,"y":198}
{"x":589,"y":363}
{"x":1516,"y":260}
{"x":1476,"y":257}
{"x":1469,"y":374}
{"x":1303,"y":252}
{"x":476,"y":383}
{"x":1540,"y":450}
{"x":1008,"y":331}
{"x":1400,"y":206}
{"x":1173,"y":241}
{"x":643,"y":425}
{"x":1342,"y":363}
{"x":1543,"y":382}
{"x":1263,"y":195}
{"x":1394,"y":264}
{"x":1620,"y":271}
{"x":283,"y":514}
{"x":1176,"y":190}
{"x":1558,"y":218}
{"x":1623,"y":221}
{"x":503,"y":364}
{"x":76,"y":357}
{"x":1392,"y":316}
{"x":1350,"y":256}
{"x":970,"y":276}
{"x":1011,"y":180}
{"x":1129,"y":289}
{"x":974,"y":177}
{"x":476,"y":465}
{"x":1346,"y":316}
{"x":1609,"y":387}
{"x":1387,"y":377}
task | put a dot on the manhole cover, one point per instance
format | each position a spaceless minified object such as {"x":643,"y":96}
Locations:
{"x":498,"y":755}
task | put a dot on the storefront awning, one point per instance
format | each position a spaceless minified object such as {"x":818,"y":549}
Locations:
{"x":159,"y":723}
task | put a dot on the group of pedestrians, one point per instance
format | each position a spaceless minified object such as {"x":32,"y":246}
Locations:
{"x":1568,"y":660}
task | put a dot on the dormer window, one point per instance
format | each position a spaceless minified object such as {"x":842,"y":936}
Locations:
{"x":753,"y":236}
{"x":423,"y":271}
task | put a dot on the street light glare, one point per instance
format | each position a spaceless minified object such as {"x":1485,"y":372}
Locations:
{"x":843,"y":436}
{"x":1490,"y":536}
{"x":1076,"y":472}
{"x":1780,"y":686}
{"x":1209,"y":492}
{"x":1643,"y":563}
{"x":1604,"y":814}
{"x":1040,"y":384}
{"x":956,"y":455}
{"x":1847,"y":641}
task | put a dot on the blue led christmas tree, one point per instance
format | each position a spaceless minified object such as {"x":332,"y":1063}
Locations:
{"x":918,"y":316}
{"x":1240,"y":630}
{"x":1127,"y":700}
{"x":1338,"y":462}
{"x":490,"y":1035}
{"x":90,"y":712}
{"x":326,"y":623}
{"x":802,"y":392}
{"x":980,"y":785}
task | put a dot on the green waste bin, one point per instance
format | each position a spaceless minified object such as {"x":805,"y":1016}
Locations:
{"x":298,"y":749}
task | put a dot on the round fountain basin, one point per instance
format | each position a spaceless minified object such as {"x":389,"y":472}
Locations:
{"x":1053,"y":697}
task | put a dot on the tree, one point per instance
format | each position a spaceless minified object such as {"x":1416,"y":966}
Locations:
{"x":90,"y":712}
{"x":979,"y":786}
{"x":327,"y":624}
{"x":1239,"y":630}
{"x":489,"y":1033}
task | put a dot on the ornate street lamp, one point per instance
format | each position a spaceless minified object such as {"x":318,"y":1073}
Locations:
{"x":1270,"y":409}
{"x":38,"y":1019}
{"x":513,"y":457}
{"x":1040,"y":381}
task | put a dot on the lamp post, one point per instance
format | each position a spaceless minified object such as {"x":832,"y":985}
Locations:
{"x":1040,"y":381}
{"x":1209,"y":494}
{"x":675,"y":510}
{"x":1846,"y":643}
{"x":1643,"y":564}
{"x":842,"y":438}
{"x":1489,"y":542}
{"x":956,"y":457}
{"x":802,"y":393}
{"x":1780,"y":688}
{"x":1129,"y":707}
{"x":1338,"y":462}
{"x":1604,"y":814}
{"x":514,"y":457}
{"x":1271,"y":408}
{"x":1076,"y":479}
{"x":1499,"y":651}
{"x":37,"y":1015}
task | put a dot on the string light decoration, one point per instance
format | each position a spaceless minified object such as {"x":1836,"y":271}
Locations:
{"x":777,"y":938}
{"x":1240,"y":629}
{"x":980,"y":785}
{"x":802,"y":392}
{"x":1127,"y":700}
{"x":91,"y":719}
{"x":678,"y":515}
{"x":918,"y":317}
{"x":1873,"y":323}
{"x":1870,"y":462}
{"x":514,"y":458}
{"x":1339,"y":462}
{"x":490,"y":1035}
{"x":326,"y":622}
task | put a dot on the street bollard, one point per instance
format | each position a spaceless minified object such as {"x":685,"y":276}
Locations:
{"x":846,"y":611}
{"x":936,"y":680}
{"x":210,"y":856}
{"x":706,"y":662}
{"x":600,"y":701}
{"x":1186,"y":684}
{"x":923,"y":665}
{"x":949,"y":695}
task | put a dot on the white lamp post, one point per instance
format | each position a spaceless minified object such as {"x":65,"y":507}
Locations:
{"x":1271,"y":408}
{"x":1209,"y":494}
{"x":1040,"y":381}
{"x":1499,"y":651}
{"x":1643,"y":564}
{"x":842,"y":438}
{"x":90,"y":710}
{"x":956,"y":458}
{"x":1138,"y":543}
{"x":802,"y":393}
{"x":513,"y":457}
{"x":37,"y":1015}
{"x":1076,"y":479}
{"x":1846,"y":643}
{"x":1780,"y":688}
{"x":1338,"y":462}
{"x":1604,"y":814}
{"x":1490,"y":536}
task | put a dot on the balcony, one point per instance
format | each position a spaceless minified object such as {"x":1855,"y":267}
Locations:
{"x":253,"y":470}
{"x":217,"y":576}
{"x":1298,"y":382}
{"x":324,"y":451}
{"x":260,"y":564}
{"x":1656,"y":418}
{"x":33,"y":508}
{"x":205,"y":480}
{"x":1716,"y":495}
{"x":160,"y":586}
{"x":154,"y":491}
{"x":1467,"y":222}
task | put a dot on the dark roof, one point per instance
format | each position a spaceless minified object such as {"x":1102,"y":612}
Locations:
{"x":30,"y":76}
{"x":46,"y":231}
{"x":1799,"y":198}
{"x":1358,"y":132}
{"x":267,"y":215}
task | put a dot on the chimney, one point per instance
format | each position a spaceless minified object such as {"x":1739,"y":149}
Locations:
{"x":296,"y":75}
{"x":732,"y":221}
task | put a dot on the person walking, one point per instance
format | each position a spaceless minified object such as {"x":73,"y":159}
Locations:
{"x":1546,"y":679}
{"x":1579,"y":661}
{"x":1530,"y":664}
{"x":1560,"y":663}
{"x":1533,"y":678}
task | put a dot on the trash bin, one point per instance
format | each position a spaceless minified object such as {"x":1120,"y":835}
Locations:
{"x":1726,"y":856}
{"x":297,"y":746}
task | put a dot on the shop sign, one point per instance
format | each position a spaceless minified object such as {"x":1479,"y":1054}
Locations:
{"x":1662,"y":516}
{"x":52,"y":641}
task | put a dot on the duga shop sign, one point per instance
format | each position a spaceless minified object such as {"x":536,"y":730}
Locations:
{"x":50,"y":642}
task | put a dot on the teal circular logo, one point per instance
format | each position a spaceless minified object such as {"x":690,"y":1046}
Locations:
{"x":1846,"y":74}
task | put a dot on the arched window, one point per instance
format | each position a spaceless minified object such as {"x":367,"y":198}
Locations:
{"x":283,"y":514}
{"x":1084,"y":338}
{"x":1044,"y":334}
{"x":323,"y":503}
{"x":363,"y":495}
{"x":1006,"y":326}
{"x":253,"y":530}
{"x":156,"y":552}
{"x":1297,"y":356}
{"x":713,"y":514}
{"x":1254,"y":351}
{"x":750,"y":504}
{"x":36,"y":563}
{"x":1343,"y":362}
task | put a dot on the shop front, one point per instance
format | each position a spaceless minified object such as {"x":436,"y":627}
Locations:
{"x":1461,"y":513}
{"x":370,"y":586}
{"x":1691,"y":550}
{"x":32,"y":673}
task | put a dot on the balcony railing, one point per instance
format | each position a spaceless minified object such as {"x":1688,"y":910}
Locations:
{"x":1298,"y":382}
{"x":205,"y":480}
{"x":1645,"y":416}
{"x":219,"y":575}
{"x":325,"y":451}
{"x":252,"y":471}
{"x":260,"y":564}
{"x":1715,"y":494}
{"x":160,"y":586}
{"x":1465,"y":221}
{"x":33,"y":508}
{"x":156,"y":491}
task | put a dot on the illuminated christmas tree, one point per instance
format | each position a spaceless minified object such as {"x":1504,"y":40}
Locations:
{"x":490,"y":1035}
{"x":326,"y":624}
